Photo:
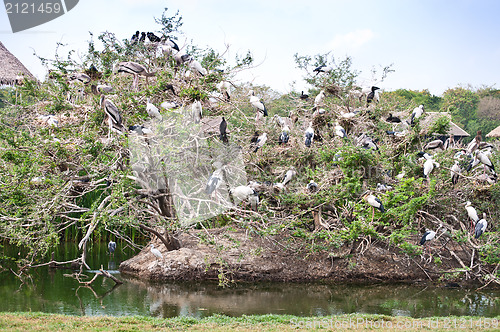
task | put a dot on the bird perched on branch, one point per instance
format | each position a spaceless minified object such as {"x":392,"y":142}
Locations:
{"x":393,"y":119}
{"x":153,"y":38}
{"x":303,"y":96}
{"x":242,"y":192}
{"x":214,"y":181}
{"x":322,"y":69}
{"x":318,"y":100}
{"x":374,"y":202}
{"x":312,"y":186}
{"x":135,"y":69}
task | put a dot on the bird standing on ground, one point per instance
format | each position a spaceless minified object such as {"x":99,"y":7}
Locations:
{"x":309,"y":135}
{"x":481,"y":226}
{"x":153,"y":111}
{"x":214,"y":181}
{"x":242,"y":192}
{"x":156,"y":252}
{"x":417,"y":113}
{"x":429,"y":166}
{"x":374,"y":202}
{"x":135,"y":69}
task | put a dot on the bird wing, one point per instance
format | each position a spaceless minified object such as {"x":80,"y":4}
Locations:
{"x":113,"y":112}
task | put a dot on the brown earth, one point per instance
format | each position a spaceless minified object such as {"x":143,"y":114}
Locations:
{"x":241,"y":256}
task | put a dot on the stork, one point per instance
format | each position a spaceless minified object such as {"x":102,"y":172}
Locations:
{"x":472,"y":213}
{"x":455,"y":172}
{"x":261,"y":140}
{"x":222,"y":131}
{"x":135,"y":69}
{"x":417,"y":113}
{"x":285,"y":135}
{"x":289,"y":175}
{"x":258,"y":104}
{"x":339,"y":130}
{"x":309,"y":135}
{"x":156,"y":252}
{"x":197,"y":111}
{"x":113,"y":115}
{"x":481,"y":226}
{"x":153,"y":111}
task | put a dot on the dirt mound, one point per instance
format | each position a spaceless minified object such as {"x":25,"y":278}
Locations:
{"x":241,"y":256}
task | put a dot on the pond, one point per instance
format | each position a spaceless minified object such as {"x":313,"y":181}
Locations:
{"x":53,"y":291}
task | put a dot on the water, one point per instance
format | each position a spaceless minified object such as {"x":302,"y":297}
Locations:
{"x":51,"y":291}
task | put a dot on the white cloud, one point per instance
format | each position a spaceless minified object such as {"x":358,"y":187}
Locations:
{"x":351,"y":40}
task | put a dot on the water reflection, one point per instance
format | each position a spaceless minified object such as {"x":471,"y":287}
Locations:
{"x":55,"y":291}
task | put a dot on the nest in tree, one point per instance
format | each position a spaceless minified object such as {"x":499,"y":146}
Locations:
{"x":333,"y":90}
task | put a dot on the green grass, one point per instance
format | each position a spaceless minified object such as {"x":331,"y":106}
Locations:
{"x":357,"y":322}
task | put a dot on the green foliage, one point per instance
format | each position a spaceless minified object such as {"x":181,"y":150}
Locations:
{"x":440,"y":126}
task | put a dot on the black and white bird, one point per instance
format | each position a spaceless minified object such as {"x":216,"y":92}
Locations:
{"x":289,"y":176}
{"x":373,"y":95}
{"x":374,"y":203}
{"x":485,"y":160}
{"x":222,"y":131}
{"x":366,"y":142}
{"x":456,"y":170}
{"x":169,"y":105}
{"x":285,"y":135}
{"x":481,"y":227}
{"x":258,"y":104}
{"x":135,"y":69}
{"x":140,"y":130}
{"x":435,"y":144}
{"x":111,"y":247}
{"x":339,"y":130}
{"x":322,"y":69}
{"x":312,"y":186}
{"x":79,"y":78}
{"x":417,"y":113}
{"x":113,"y":114}
{"x":309,"y":135}
{"x":135,"y":37}
{"x":197,"y":67}
{"x":224,"y":88}
{"x":197,"y":111}
{"x":428,"y":236}
{"x":153,"y":111}
{"x":261,"y":140}
{"x":214,"y":181}
{"x":169,"y":42}
{"x":253,"y":199}
{"x":156,"y":252}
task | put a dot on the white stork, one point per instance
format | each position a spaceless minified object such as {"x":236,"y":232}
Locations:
{"x":481,"y":226}
{"x":417,"y":112}
{"x":309,"y":135}
{"x":153,"y":111}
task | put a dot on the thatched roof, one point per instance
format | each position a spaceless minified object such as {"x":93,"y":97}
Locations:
{"x":11,"y":69}
{"x":494,"y":133}
{"x":430,"y":118}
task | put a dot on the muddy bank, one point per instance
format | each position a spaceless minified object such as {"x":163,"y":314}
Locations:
{"x":242,"y":256}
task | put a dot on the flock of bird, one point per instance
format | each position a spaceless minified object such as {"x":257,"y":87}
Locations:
{"x":477,"y":152}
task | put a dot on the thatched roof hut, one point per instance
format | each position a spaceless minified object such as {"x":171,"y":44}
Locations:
{"x":494,"y":133}
{"x":12,"y":70}
{"x":431,"y":117}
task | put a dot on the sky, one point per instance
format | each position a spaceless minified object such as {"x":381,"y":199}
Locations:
{"x":431,"y":44}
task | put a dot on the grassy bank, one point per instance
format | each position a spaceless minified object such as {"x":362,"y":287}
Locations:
{"x":53,"y":322}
